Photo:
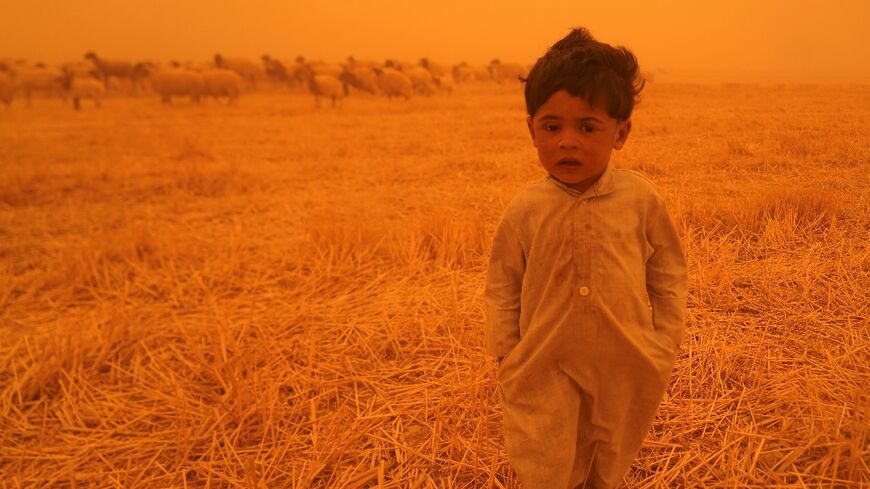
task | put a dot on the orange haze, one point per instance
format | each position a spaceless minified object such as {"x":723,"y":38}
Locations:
{"x":803,"y":40}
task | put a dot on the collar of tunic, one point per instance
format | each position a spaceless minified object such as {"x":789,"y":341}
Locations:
{"x":602,"y":186}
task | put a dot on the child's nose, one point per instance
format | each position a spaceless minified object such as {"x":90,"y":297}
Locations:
{"x":569,"y":141}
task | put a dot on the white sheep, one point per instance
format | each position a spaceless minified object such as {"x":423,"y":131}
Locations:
{"x":250,"y":71}
{"x":360,"y":77}
{"x":399,"y":65}
{"x":394,"y":83}
{"x":119,"y":69}
{"x":78,"y":86}
{"x":219,"y":82}
{"x":445,"y":82}
{"x":324,"y":68}
{"x":301,"y":67}
{"x":506,"y":72}
{"x":463,"y":73}
{"x":437,"y":69}
{"x":170,"y":82}
{"x":466,"y":73}
{"x":37,"y":79}
{"x":352,"y":62}
{"x":421,"y":80}
{"x":321,"y":86}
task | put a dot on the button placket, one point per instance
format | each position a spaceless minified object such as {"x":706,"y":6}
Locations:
{"x":583,"y":248}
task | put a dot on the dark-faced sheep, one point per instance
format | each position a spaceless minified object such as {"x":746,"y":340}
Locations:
{"x":276,"y":70}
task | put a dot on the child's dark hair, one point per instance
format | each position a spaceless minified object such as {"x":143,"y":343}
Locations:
{"x":604,"y":75}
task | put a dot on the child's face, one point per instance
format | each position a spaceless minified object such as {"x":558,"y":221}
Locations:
{"x":574,"y":140}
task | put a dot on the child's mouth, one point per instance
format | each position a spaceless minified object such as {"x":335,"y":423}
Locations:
{"x":569,"y":162}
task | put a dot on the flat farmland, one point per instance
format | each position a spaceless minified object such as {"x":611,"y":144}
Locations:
{"x":272,"y":294}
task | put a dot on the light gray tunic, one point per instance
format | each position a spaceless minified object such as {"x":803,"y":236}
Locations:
{"x":586,"y":299}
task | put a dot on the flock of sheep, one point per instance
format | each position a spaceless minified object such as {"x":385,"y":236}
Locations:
{"x":226,"y":78}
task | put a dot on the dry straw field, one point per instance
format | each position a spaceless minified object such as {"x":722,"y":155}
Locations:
{"x":275,"y":295}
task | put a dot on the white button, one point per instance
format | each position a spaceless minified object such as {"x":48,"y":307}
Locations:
{"x":584,"y":291}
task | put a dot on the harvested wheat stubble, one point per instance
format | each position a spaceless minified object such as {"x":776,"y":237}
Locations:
{"x":194,"y":305}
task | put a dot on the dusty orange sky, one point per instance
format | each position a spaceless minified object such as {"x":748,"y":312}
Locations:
{"x":737,"y":39}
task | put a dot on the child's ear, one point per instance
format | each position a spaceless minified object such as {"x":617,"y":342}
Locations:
{"x":530,"y":123}
{"x":622,"y":130}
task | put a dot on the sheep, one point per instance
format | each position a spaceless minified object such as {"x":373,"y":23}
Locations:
{"x":501,"y":72}
{"x":276,"y":70}
{"x":437,"y":69}
{"x":219,"y":82}
{"x":357,"y":63}
{"x":250,"y":71}
{"x":322,"y":85}
{"x":481,"y":72}
{"x":171,"y":82}
{"x":7,"y":88}
{"x":77,"y":86}
{"x":463,"y":73}
{"x":37,"y":79}
{"x":445,"y":82}
{"x":466,"y":73}
{"x":302,"y":69}
{"x":361,"y":78}
{"x":324,"y":68}
{"x":394,"y":83}
{"x":421,"y":80}
{"x":122,"y":70}
{"x":399,"y":65}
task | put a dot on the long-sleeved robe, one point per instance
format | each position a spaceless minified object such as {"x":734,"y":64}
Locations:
{"x":586,"y":299}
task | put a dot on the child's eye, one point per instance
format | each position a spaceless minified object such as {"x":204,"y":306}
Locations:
{"x":587,"y":128}
{"x":551,"y":127}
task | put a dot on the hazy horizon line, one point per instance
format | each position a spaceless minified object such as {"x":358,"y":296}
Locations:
{"x":662,"y":73}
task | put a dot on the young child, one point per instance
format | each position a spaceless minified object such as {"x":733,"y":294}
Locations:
{"x":586,"y":290}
